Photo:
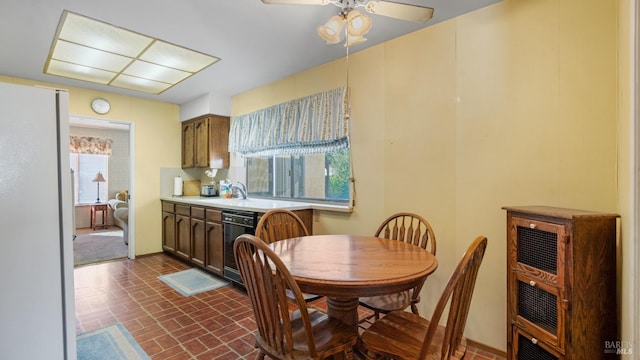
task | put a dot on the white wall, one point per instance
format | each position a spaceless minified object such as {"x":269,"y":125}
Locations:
{"x":206,"y":104}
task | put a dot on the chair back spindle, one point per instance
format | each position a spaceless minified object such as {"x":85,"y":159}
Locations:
{"x":279,"y":224}
{"x":410,"y":228}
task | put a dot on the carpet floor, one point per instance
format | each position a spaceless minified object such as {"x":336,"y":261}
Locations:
{"x":97,"y":246}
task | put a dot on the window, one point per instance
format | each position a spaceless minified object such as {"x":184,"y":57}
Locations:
{"x":85,"y":168}
{"x":323,"y":177}
{"x":297,"y":149}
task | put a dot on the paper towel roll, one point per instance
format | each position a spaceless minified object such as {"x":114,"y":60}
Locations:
{"x":177,"y":186}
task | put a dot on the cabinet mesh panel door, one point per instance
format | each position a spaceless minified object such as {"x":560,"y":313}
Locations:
{"x":527,"y":350}
{"x":538,"y":306}
{"x":538,"y":249}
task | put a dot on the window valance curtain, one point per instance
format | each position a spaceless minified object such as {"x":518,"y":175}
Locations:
{"x":90,"y":145}
{"x":312,"y":124}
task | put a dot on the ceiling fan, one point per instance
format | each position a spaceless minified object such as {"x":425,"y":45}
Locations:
{"x":357,"y":24}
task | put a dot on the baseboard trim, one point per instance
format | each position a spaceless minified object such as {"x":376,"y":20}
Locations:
{"x":486,"y":348}
{"x":150,"y":254}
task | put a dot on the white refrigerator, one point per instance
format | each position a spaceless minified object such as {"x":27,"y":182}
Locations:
{"x":37,"y":312}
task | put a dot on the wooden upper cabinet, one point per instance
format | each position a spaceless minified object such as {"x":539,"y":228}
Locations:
{"x":188,"y":144}
{"x":219,"y":142}
{"x":205,"y":141}
{"x":201,"y":142}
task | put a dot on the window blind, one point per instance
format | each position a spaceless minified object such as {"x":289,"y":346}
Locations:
{"x":311,"y":124}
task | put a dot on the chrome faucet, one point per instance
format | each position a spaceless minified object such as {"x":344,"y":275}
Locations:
{"x":240,"y":189}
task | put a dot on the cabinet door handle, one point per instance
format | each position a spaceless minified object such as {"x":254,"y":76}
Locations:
{"x":534,"y":340}
{"x":532,"y":283}
{"x":532,"y":226}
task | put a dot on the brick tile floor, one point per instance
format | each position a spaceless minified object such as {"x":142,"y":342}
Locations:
{"x":217,"y":324}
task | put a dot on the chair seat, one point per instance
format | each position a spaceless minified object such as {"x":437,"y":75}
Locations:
{"x":402,"y":334}
{"x":330,"y":335}
{"x":388,"y":303}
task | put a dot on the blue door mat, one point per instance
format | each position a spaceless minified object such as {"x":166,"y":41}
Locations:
{"x":191,"y":282}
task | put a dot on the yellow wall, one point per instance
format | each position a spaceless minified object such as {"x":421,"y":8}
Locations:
{"x":157,"y":145}
{"x":626,"y":160}
{"x":514,"y":104}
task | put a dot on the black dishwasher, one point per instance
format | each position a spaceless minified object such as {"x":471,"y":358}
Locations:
{"x":235,"y":223}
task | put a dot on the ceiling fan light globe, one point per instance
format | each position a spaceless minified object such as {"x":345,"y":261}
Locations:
{"x":358,"y":24}
{"x":354,"y":40}
{"x":328,"y":34}
{"x":332,"y":29}
{"x":336,"y":23}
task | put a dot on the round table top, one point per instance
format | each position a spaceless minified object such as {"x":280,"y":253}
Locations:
{"x":354,"y":266}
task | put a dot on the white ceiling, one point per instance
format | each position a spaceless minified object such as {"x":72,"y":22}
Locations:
{"x":257,"y":43}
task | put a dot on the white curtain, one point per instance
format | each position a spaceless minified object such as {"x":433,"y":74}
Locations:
{"x":312,"y":124}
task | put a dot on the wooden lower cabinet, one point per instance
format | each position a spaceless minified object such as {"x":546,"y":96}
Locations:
{"x":168,"y":227}
{"x":183,"y":231}
{"x":195,"y":234}
{"x":214,"y":260}
{"x":168,"y":231}
{"x":198,"y":236}
{"x":183,"y":237}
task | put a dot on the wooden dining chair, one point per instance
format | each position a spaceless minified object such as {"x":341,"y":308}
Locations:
{"x":281,"y":334}
{"x":404,"y":335}
{"x":279,"y":224}
{"x":408,"y":228}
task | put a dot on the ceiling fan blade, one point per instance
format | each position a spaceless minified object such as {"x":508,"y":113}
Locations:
{"x":297,"y":2}
{"x":400,"y":11}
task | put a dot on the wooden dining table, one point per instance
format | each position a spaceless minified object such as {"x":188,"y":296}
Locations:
{"x":347,"y":267}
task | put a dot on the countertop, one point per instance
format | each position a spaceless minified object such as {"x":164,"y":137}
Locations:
{"x":253,"y":204}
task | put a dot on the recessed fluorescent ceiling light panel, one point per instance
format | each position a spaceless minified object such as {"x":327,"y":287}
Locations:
{"x":91,"y":50}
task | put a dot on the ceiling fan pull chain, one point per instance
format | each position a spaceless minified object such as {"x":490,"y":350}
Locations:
{"x":347,"y":110}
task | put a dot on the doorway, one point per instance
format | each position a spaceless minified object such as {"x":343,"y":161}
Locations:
{"x":103,"y":210}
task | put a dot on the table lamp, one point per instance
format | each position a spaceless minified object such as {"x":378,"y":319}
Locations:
{"x":99,"y":178}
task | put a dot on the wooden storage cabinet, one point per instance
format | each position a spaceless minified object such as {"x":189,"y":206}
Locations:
{"x":561,"y":283}
{"x":528,"y":347}
{"x":205,"y":142}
